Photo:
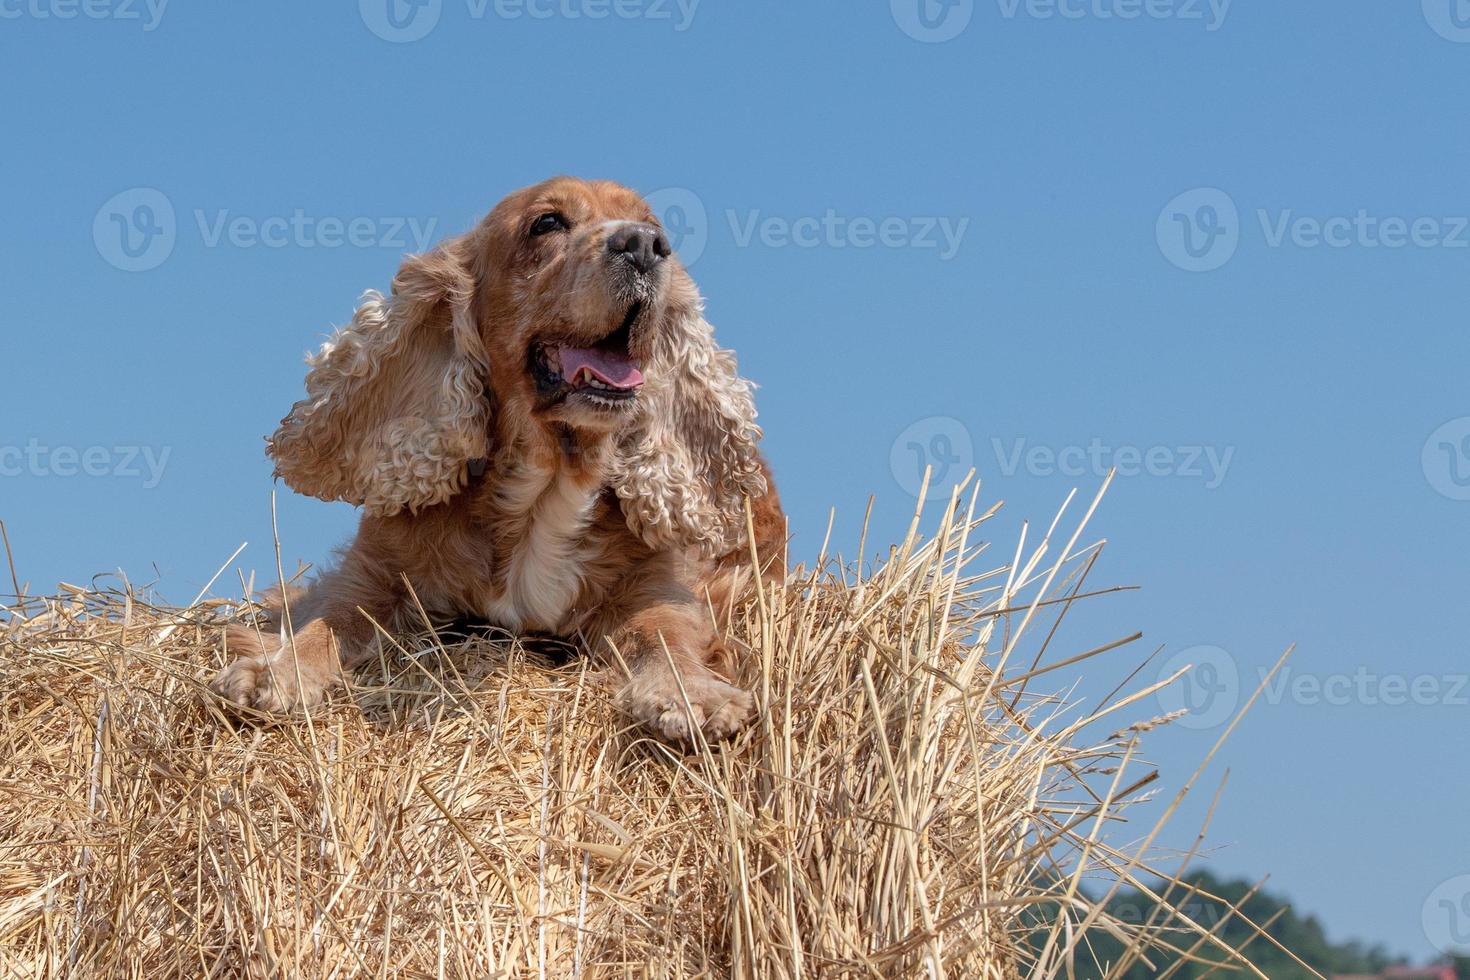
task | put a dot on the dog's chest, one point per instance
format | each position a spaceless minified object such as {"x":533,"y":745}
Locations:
{"x":539,"y":569}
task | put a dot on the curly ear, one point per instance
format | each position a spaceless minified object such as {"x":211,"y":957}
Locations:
{"x":685,"y":471}
{"x":395,"y":402}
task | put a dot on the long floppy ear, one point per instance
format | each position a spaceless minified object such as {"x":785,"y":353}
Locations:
{"x":395,"y":402}
{"x":685,"y":471}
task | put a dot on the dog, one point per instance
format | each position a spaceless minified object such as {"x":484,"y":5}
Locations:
{"x":542,"y":433}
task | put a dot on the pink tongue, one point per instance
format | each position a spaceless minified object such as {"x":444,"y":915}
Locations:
{"x":617,"y":370}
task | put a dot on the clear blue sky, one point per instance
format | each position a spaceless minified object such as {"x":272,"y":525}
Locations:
{"x":1066,"y":324}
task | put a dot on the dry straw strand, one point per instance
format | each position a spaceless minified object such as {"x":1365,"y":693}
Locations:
{"x":906,"y":804}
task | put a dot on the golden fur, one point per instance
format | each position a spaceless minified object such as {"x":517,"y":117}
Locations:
{"x":501,"y":491}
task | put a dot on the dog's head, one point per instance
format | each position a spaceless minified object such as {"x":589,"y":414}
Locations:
{"x":563,"y":309}
{"x":577,"y":285}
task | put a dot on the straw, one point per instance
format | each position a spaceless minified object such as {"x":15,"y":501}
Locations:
{"x":907,"y":803}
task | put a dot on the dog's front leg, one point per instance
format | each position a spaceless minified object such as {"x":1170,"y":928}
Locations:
{"x":281,"y":670}
{"x":665,"y":640}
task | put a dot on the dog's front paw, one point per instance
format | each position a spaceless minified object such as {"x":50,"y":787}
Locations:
{"x":272,"y":682}
{"x":717,"y":709}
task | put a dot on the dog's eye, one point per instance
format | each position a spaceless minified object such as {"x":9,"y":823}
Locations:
{"x":548,"y":223}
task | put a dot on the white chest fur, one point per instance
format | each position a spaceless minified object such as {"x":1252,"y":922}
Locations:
{"x":540,"y":576}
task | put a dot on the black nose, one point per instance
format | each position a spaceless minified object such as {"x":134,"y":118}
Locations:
{"x":643,"y":245}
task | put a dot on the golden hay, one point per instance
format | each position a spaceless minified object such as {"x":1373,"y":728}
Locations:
{"x":903,"y":807}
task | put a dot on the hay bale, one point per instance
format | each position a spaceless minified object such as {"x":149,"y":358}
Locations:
{"x":903,"y":807}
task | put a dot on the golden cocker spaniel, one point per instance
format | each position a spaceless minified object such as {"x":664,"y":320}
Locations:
{"x":542,"y":433}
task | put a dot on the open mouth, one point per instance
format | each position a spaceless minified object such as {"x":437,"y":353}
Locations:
{"x":604,"y":373}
